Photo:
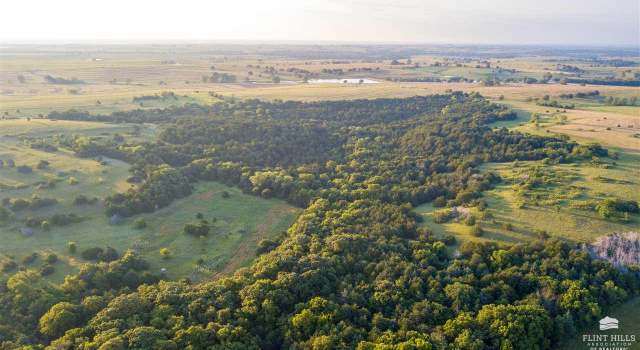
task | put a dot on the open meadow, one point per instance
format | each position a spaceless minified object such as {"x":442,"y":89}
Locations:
{"x":240,"y":221}
{"x":562,"y":204}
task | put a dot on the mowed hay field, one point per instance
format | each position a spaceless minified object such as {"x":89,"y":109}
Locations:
{"x":612,"y":126}
{"x":241,"y":220}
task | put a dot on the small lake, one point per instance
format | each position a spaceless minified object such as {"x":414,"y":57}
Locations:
{"x":343,"y":81}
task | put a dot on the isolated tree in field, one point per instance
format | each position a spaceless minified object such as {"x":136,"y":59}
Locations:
{"x":165,"y":253}
{"x":43,"y":164}
{"x":139,"y":224}
{"x":606,"y":209}
{"x":51,"y":258}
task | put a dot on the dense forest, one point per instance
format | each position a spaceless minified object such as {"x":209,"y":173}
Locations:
{"x":355,"y":270}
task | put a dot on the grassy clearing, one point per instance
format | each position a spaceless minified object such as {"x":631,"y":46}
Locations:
{"x":463,"y":232}
{"x":552,"y":208}
{"x":612,"y":126}
{"x":241,"y":220}
{"x":556,"y":212}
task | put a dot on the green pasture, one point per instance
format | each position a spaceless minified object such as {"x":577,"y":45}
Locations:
{"x":554,"y":212}
{"x":240,"y":220}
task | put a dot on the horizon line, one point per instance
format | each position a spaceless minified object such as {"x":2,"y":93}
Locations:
{"x":156,"y":41}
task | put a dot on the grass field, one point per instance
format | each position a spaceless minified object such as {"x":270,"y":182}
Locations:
{"x":112,"y":78}
{"x":115,"y":98}
{"x":613,"y":126}
{"x":241,"y":220}
{"x":554,"y":213}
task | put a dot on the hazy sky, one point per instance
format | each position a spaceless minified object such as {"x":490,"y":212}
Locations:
{"x":579,"y":22}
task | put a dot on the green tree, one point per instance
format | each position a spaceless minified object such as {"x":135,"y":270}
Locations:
{"x":61,"y":317}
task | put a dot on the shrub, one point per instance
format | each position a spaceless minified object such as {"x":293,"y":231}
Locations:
{"x":610,"y":208}
{"x":199,"y":229}
{"x":470,"y":220}
{"x":29,"y":259}
{"x":225,"y":194}
{"x":5,"y":214}
{"x":266,"y":245}
{"x":9,"y":265}
{"x":165,"y":253}
{"x":33,"y":222}
{"x":139,"y":224}
{"x":99,"y":254}
{"x":37,"y":202}
{"x":51,"y":258}
{"x":24,"y":169}
{"x":477,"y":231}
{"x":542,"y":234}
{"x":439,"y":202}
{"x":92,"y":253}
{"x":442,"y":216}
{"x":47,"y":270}
{"x":449,"y":240}
{"x":82,"y":199}
{"x":110,"y":254}
{"x":65,"y":219}
{"x":43,"y":164}
{"x":19,"y":204}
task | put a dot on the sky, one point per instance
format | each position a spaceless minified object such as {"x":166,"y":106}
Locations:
{"x":564,"y":22}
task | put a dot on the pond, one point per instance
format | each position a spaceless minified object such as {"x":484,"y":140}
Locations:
{"x":343,"y":81}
